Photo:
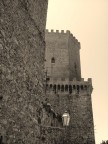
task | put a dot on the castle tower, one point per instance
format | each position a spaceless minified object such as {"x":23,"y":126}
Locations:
{"x":62,"y":55}
{"x":65,"y":89}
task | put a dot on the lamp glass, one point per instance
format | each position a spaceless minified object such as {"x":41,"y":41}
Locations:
{"x":66,"y":119}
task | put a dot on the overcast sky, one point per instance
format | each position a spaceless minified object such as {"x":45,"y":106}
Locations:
{"x":88,"y":22}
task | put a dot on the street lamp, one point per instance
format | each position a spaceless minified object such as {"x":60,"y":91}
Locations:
{"x":66,"y":118}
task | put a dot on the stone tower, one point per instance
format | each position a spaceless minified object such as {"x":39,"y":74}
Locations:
{"x":65,"y":89}
{"x":62,"y":55}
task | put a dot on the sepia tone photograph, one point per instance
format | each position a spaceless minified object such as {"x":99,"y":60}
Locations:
{"x":53,"y":71}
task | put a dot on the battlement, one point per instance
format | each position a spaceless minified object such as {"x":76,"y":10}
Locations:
{"x":67,"y":81}
{"x":57,"y":31}
{"x":67,"y":86}
{"x":61,"y":32}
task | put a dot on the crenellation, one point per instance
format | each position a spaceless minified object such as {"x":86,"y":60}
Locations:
{"x":62,"y":31}
{"x":67,"y":31}
{"x":90,"y":80}
{"x":57,"y":31}
{"x":82,"y":79}
{"x":68,"y":88}
{"x":66,"y":80}
{"x":76,"y":42}
{"x":52,"y":31}
{"x":79,"y":45}
{"x":60,"y":85}
{"x":71,"y":35}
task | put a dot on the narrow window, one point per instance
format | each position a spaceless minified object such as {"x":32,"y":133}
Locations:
{"x":77,"y":88}
{"x":74,"y":87}
{"x":62,"y":88}
{"x":53,"y":60}
{"x":66,"y":87}
{"x":50,"y":86}
{"x":1,"y":97}
{"x":81,"y":87}
{"x":85,"y":87}
{"x":54,"y":88}
{"x":70,"y":89}
{"x":58,"y":87}
{"x":47,"y":78}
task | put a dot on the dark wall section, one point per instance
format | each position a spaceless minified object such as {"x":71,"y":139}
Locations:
{"x":22,"y":47}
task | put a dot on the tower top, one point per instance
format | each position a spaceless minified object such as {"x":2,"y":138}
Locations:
{"x":62,"y":32}
{"x":58,"y":31}
{"x":62,"y":55}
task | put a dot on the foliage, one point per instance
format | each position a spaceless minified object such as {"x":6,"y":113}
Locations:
{"x":105,"y":142}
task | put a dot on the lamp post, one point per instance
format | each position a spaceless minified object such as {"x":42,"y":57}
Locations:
{"x":66,"y":120}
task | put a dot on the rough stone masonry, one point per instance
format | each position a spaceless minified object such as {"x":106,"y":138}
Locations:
{"x":66,"y":89}
{"x":22,"y":46}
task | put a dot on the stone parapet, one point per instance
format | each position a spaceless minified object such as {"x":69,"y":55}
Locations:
{"x":65,"y":86}
{"x":67,"y":81}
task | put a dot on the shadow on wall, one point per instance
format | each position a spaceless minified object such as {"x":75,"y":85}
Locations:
{"x":1,"y":140}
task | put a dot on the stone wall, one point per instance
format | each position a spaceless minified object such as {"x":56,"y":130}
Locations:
{"x":75,"y":97}
{"x":74,"y":58}
{"x":51,"y":135}
{"x":22,"y":47}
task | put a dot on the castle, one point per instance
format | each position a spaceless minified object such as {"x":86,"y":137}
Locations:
{"x":28,"y":114}
{"x":66,"y":90}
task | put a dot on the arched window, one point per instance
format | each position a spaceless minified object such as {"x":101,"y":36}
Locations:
{"x":66,"y":87}
{"x":74,"y":87}
{"x":77,"y":88}
{"x":54,"y":88}
{"x":85,"y":87}
{"x":50,"y":86}
{"x":53,"y":60}
{"x":81,"y":87}
{"x":62,"y":88}
{"x":70,"y":89}
{"x":58,"y":87}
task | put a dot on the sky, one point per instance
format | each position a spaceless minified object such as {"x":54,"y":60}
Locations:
{"x":88,"y":22}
